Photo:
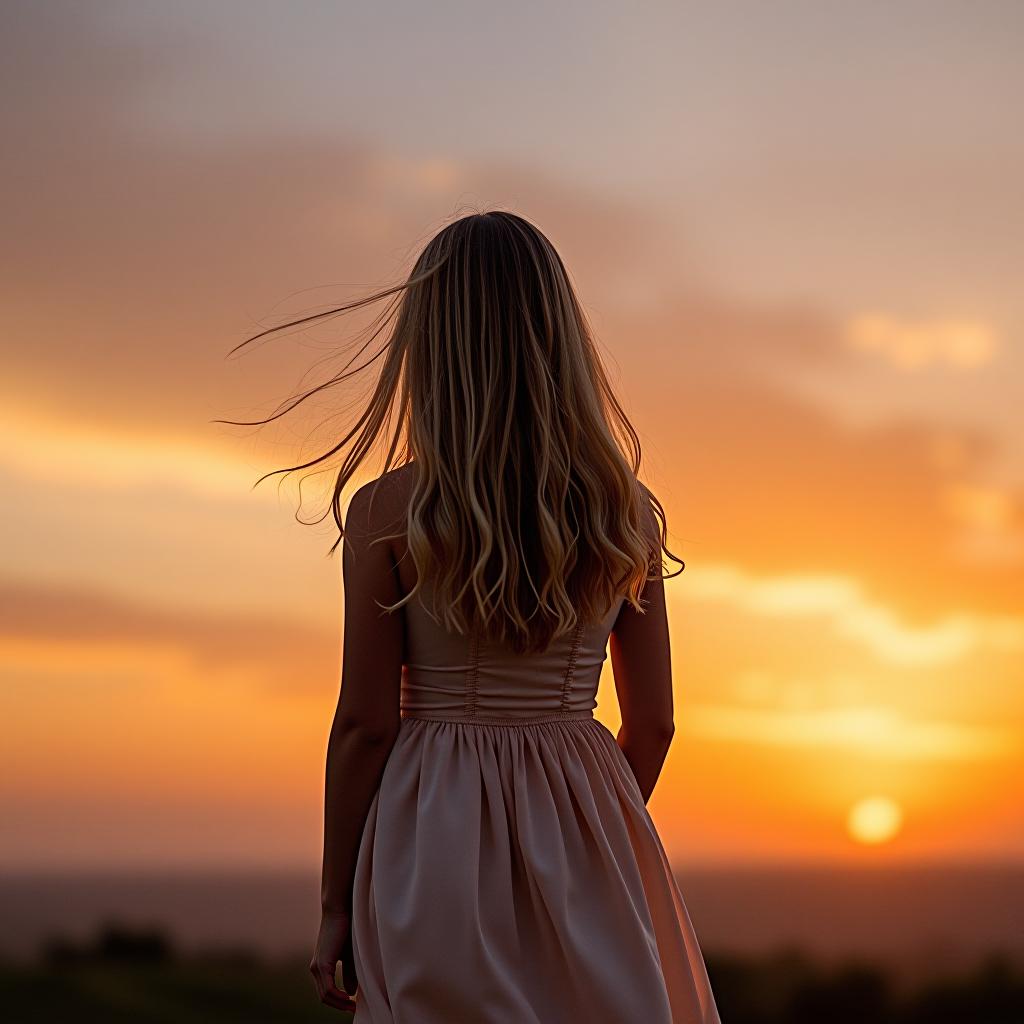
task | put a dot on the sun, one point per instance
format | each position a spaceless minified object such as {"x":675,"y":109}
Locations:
{"x":874,"y":820}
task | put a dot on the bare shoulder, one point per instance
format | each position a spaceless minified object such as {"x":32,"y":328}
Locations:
{"x":380,"y":505}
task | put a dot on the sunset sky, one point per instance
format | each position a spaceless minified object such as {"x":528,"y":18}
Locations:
{"x":798,"y":231}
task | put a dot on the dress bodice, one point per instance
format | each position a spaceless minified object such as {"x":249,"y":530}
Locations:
{"x":447,"y":675}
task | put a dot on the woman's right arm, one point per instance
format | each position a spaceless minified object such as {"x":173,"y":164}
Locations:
{"x":641,"y":659}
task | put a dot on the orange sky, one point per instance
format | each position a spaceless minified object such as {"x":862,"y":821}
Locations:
{"x":804,"y":274}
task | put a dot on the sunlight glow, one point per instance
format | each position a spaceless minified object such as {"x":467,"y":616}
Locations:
{"x":874,"y":820}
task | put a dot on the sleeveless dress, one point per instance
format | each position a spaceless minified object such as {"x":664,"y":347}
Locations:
{"x":509,"y":871}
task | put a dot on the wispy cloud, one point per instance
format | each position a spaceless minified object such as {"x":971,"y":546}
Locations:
{"x":49,"y":448}
{"x":872,"y":731}
{"x":79,"y":632}
{"x":913,"y":345}
{"x":841,"y":602}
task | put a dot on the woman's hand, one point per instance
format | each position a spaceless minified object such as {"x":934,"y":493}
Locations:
{"x":334,"y":943}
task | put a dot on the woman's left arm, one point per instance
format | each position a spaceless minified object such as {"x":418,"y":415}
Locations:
{"x":366,"y":721}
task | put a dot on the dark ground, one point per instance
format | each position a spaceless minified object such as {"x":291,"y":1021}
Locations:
{"x":127,"y":975}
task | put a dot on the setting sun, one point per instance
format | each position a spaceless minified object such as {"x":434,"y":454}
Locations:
{"x":874,"y":820}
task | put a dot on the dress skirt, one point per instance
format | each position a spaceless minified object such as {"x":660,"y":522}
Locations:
{"x":510,"y":873}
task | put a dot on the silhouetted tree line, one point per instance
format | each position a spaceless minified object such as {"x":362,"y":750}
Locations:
{"x":127,"y":973}
{"x":114,"y":943}
{"x":790,"y":987}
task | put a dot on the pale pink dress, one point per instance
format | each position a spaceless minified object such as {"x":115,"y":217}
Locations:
{"x":509,"y":871}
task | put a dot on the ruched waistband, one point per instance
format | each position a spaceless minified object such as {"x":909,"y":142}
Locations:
{"x":461,"y":718}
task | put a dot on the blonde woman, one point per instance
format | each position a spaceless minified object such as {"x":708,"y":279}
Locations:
{"x":488,"y":853}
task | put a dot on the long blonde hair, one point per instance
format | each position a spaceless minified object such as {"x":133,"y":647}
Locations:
{"x":526,"y":515}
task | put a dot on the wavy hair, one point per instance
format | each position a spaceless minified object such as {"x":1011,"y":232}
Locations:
{"x":526,"y":514}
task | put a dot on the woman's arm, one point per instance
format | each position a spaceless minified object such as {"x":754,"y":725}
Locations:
{"x":642,"y":666}
{"x":365,"y":726}
{"x":367,"y":720}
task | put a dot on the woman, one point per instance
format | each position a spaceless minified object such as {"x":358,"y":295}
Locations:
{"x":488,"y":853}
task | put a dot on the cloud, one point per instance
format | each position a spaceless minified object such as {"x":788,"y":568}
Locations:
{"x":84,"y":633}
{"x":47,"y":448}
{"x":871,"y":731}
{"x":841,"y":602}
{"x":963,"y":345}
